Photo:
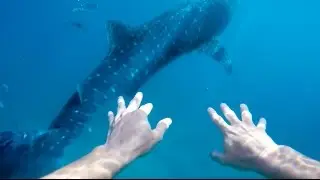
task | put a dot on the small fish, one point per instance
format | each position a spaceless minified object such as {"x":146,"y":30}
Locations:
{"x":86,"y":7}
{"x":77,"y":25}
{"x":81,"y":9}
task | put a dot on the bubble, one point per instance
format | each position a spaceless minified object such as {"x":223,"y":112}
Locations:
{"x":5,"y":87}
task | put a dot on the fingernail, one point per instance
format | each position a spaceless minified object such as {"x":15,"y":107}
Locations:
{"x":243,"y":106}
{"x":167,"y":121}
{"x":149,"y":105}
{"x":224,"y":106}
{"x":139,"y":94}
{"x":211,"y":110}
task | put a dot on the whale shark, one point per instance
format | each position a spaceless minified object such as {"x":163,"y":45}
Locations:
{"x":134,"y":55}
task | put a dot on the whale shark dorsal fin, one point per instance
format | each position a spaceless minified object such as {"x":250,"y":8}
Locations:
{"x":217,"y":52}
{"x":73,"y":102}
{"x":79,"y":94}
{"x":75,"y":99}
{"x":122,"y":37}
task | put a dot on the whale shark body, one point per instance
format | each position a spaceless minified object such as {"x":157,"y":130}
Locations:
{"x":134,"y":55}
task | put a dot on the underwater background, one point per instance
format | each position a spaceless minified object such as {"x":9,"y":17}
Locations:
{"x":274,"y":46}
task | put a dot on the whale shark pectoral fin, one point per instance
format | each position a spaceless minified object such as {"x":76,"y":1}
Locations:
{"x":222,"y":56}
{"x":122,"y":37}
{"x":216,"y":51}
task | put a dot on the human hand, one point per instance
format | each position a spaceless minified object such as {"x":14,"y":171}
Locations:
{"x":130,"y":134}
{"x":244,"y":143}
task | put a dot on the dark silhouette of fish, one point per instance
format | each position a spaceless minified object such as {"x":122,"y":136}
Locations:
{"x":134,"y":55}
{"x":77,"y":25}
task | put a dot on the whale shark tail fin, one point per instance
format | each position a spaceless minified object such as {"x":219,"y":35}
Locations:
{"x":217,"y":52}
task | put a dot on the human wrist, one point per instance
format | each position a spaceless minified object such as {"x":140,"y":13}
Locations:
{"x":108,"y":160}
{"x":269,"y":150}
{"x":100,"y":163}
{"x":261,"y":148}
{"x":288,"y":163}
{"x":111,"y":159}
{"x":267,"y":163}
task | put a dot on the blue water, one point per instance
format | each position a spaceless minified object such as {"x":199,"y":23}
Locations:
{"x":274,"y":46}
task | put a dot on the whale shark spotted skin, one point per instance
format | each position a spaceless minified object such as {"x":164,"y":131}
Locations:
{"x":135,"y":54}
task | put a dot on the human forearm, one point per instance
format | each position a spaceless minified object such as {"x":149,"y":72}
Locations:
{"x":129,"y":136}
{"x":98,"y":164}
{"x":288,"y":163}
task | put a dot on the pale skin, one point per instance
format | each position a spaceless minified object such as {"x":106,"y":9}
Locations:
{"x":129,"y":136}
{"x":246,"y":145}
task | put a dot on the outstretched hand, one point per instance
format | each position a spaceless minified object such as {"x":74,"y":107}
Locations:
{"x":244,"y":143}
{"x":130,"y":133}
